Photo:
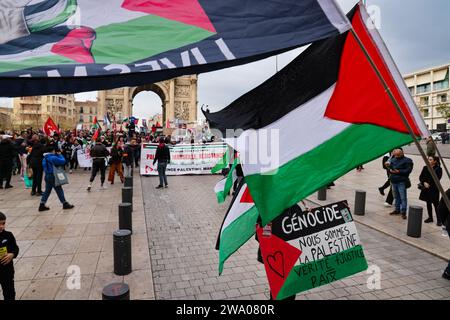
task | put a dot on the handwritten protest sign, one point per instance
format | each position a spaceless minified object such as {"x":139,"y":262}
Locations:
{"x":305,"y":250}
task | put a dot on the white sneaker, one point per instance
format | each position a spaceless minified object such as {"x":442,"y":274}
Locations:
{"x":70,"y":171}
{"x":103,"y":187}
{"x":387,"y":205}
{"x":89,"y":187}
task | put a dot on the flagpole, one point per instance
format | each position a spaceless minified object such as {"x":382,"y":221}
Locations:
{"x":441,"y":158}
{"x":403,"y":117}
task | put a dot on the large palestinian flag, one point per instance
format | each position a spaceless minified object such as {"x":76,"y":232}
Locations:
{"x":62,"y":46}
{"x":328,"y":113}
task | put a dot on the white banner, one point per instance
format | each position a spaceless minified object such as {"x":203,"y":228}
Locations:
{"x":185,"y":158}
{"x":84,"y":158}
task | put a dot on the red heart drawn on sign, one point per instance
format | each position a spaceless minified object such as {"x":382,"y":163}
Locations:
{"x":276,"y":263}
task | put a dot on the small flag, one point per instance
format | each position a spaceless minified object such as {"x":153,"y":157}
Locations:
{"x":96,"y":135}
{"x":223,"y":187}
{"x":238,"y":225}
{"x":50,"y":128}
{"x":222,"y":164}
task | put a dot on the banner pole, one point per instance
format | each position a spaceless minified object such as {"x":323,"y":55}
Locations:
{"x":403,"y":117}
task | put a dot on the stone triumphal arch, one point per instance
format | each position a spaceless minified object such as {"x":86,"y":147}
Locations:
{"x":178,"y":96}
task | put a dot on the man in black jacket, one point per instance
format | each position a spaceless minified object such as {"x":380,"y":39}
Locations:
{"x":163,"y":157}
{"x":7,"y":152}
{"x":98,"y":155}
{"x":35,"y":161}
{"x":8,"y":251}
{"x":444,"y":215}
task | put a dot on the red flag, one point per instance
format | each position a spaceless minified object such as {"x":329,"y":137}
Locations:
{"x":50,"y":127}
{"x":96,"y":134}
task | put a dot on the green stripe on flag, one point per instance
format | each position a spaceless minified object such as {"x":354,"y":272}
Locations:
{"x":236,"y":235}
{"x":222,"y":194}
{"x":142,"y":38}
{"x":69,"y":11}
{"x":321,"y":272}
{"x":222,"y":164}
{"x":309,"y":172}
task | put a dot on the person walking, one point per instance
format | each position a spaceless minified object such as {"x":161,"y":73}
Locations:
{"x":98,"y":155}
{"x":390,"y":198}
{"x":400,"y":167}
{"x":51,"y":158}
{"x":128,"y":157}
{"x":35,"y":163}
{"x":431,"y":147}
{"x":163,"y":157}
{"x":444,"y":215}
{"x":7,"y":153}
{"x":429,"y":191}
{"x":115,"y":164}
{"x":74,"y":155}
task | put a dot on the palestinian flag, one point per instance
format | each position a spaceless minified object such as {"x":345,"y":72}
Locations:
{"x":238,"y":226}
{"x":95,"y":124}
{"x":67,"y":46}
{"x":96,"y":135}
{"x":328,"y":113}
{"x":222,"y":164}
{"x":223,"y":187}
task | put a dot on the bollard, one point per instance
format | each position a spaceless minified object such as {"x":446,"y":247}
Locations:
{"x":127,"y":196}
{"x":322,"y":196}
{"x":122,"y":252}
{"x":116,"y":291}
{"x":415,"y":222}
{"x":128,"y":182}
{"x":360,"y":203}
{"x":125,"y":219}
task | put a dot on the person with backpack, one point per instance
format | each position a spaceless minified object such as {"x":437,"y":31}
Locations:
{"x":51,"y":160}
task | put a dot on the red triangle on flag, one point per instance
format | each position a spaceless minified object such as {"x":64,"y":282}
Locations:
{"x":246,"y":197}
{"x":359,"y":96}
{"x":279,"y":259}
{"x":185,"y":11}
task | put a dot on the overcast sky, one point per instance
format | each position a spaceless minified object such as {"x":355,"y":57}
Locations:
{"x":417,"y":32}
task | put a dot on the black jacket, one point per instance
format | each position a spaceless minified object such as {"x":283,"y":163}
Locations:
{"x":162,"y":154}
{"x":128,"y":155}
{"x":7,"y":151}
{"x":37,"y":155}
{"x":116,"y":155}
{"x":8,"y":241}
{"x":443,"y":212}
{"x":431,"y":194}
{"x":99,"y":151}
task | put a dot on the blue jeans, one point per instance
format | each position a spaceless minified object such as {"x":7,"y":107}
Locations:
{"x":49,"y":185}
{"x":162,"y":173}
{"x":401,"y":199}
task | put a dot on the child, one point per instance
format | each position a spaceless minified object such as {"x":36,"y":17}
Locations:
{"x":8,"y":251}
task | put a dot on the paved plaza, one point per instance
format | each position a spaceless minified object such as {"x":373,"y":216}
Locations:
{"x":174,"y":235}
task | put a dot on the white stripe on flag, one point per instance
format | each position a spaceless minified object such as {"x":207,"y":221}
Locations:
{"x":306,"y":122}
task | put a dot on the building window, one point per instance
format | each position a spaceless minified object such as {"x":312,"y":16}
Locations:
{"x":442,"y":98}
{"x":426,"y":113}
{"x":424,"y":101}
{"x":424,"y":88}
{"x":81,"y":110}
{"x":412,"y":90}
{"x":441,"y":85}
